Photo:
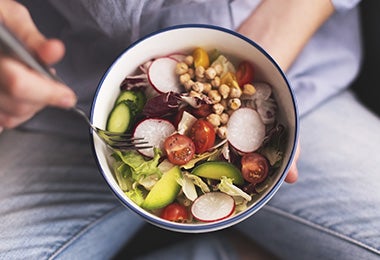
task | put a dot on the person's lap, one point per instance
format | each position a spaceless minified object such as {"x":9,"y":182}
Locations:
{"x":55,"y":203}
{"x":333,"y":211}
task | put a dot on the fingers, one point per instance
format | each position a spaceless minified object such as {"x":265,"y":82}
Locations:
{"x":292,"y":176}
{"x":24,"y":92}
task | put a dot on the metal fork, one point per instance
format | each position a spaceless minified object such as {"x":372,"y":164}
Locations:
{"x":12,"y":46}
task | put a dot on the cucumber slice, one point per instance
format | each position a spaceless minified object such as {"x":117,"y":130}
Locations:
{"x":119,"y":119}
{"x":136,"y":98}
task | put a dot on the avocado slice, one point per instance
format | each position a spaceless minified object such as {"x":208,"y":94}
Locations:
{"x":216,"y":169}
{"x":164,"y":191}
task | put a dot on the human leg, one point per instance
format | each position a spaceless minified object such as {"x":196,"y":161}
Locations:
{"x":54,"y":202}
{"x":333,"y":211}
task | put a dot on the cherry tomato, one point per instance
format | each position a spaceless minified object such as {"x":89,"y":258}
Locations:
{"x":202,"y":111}
{"x":203,"y":135}
{"x":179,"y":148}
{"x":254,"y":167}
{"x":175,"y":212}
{"x":244,"y":73}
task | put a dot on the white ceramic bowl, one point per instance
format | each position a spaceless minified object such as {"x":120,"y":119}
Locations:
{"x":183,"y":39}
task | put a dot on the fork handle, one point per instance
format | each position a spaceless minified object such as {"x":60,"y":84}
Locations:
{"x":12,"y":46}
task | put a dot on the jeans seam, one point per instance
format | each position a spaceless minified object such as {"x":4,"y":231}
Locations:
{"x":83,"y":231}
{"x":321,"y":228}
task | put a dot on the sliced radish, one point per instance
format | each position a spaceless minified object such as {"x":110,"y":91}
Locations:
{"x":178,"y":56}
{"x":162,"y":76}
{"x":213,"y":206}
{"x":154,"y":131}
{"x":245,"y":130}
{"x":263,"y":91}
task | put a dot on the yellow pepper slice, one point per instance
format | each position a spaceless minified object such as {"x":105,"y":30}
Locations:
{"x":201,"y":58}
{"x":229,"y":79}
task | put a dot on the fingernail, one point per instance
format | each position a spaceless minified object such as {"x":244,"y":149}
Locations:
{"x":68,"y":100}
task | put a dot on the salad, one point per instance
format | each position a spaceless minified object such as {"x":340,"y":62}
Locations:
{"x":216,"y":141}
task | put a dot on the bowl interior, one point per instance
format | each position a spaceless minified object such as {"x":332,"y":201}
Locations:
{"x":183,"y":39}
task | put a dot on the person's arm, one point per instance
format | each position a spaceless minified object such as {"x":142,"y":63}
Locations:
{"x":283,"y":28}
{"x":24,"y":92}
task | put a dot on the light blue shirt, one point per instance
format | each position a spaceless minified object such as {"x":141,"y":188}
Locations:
{"x":96,"y":32}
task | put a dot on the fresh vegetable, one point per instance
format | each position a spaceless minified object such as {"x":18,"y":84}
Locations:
{"x":215,"y":135}
{"x":243,"y":123}
{"x":217,"y":169}
{"x":175,"y":212}
{"x":179,"y":148}
{"x":162,"y":105}
{"x":254,"y":167}
{"x":201,"y":58}
{"x":244,"y":73}
{"x":203,"y":135}
{"x":154,"y":131}
{"x":213,"y":206}
{"x":134,"y":98}
{"x":164,"y":191}
{"x":120,"y":118}
{"x":226,"y":185}
{"x":162,"y":77}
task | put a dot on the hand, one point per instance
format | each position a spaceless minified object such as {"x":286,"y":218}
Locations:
{"x":292,"y":176}
{"x":283,"y":28}
{"x":24,"y":92}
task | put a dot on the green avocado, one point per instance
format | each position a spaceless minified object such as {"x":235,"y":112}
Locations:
{"x":217,"y":169}
{"x":164,"y":191}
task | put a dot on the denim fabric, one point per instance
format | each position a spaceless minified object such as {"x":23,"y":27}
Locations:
{"x":55,"y":204}
{"x":333,"y":211}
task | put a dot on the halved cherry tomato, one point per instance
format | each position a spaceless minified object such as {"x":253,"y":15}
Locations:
{"x":179,"y":148}
{"x":254,"y":167}
{"x":203,"y":135}
{"x":175,"y":212}
{"x":202,"y":111}
{"x":244,"y":73}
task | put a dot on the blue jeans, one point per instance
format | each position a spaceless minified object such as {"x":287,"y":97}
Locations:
{"x":55,"y":204}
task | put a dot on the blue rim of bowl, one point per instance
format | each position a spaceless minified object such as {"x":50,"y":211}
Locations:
{"x":212,"y":226}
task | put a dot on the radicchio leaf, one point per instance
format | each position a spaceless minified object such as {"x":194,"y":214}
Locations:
{"x":162,"y":105}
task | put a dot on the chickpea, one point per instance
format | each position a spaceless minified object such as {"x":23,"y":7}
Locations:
{"x":249,"y":89}
{"x":235,"y":92}
{"x":214,"y":119}
{"x":206,"y":87}
{"x":224,"y":91}
{"x":184,"y":78}
{"x":210,"y":73}
{"x":198,"y":87}
{"x":200,"y":72}
{"x":224,"y":118}
{"x":181,"y":68}
{"x":214,"y":96}
{"x":222,"y":132}
{"x":188,"y":85}
{"x":234,"y":103}
{"x":218,"y":108}
{"x":189,"y":60}
{"x":218,"y":69}
{"x":215,"y":82}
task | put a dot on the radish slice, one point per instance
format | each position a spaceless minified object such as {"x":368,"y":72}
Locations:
{"x":162,"y":77}
{"x":213,"y":206}
{"x":245,"y":130}
{"x":178,"y":56}
{"x":154,"y":131}
{"x":263,"y":91}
